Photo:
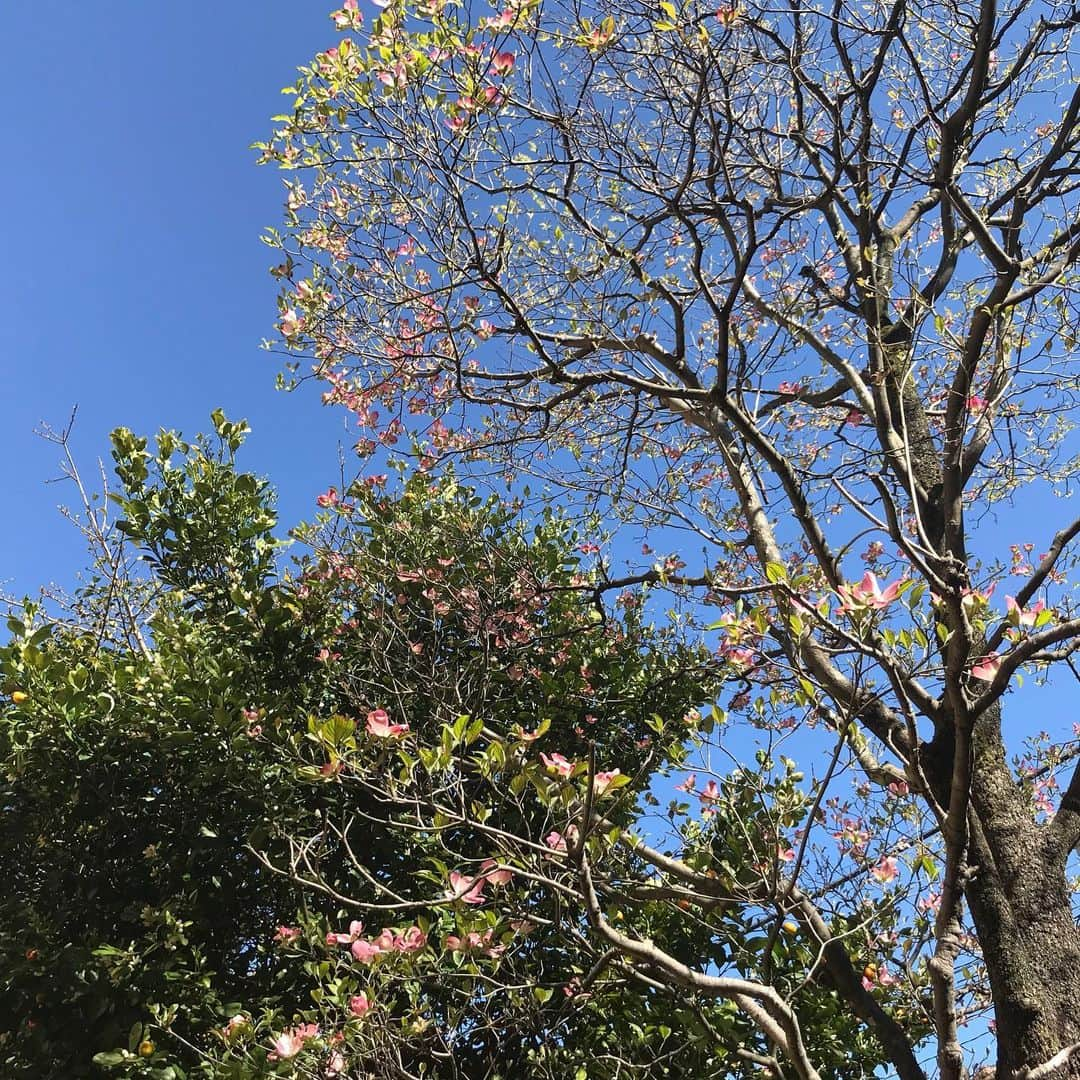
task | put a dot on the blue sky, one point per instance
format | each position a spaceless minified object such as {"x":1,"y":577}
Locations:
{"x":135,"y":285}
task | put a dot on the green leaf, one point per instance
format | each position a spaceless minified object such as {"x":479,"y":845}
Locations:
{"x":109,"y":1058}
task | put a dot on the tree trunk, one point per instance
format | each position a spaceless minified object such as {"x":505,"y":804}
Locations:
{"x":1020,"y":904}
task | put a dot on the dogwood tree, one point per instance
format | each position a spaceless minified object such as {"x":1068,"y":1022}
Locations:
{"x":785,"y":292}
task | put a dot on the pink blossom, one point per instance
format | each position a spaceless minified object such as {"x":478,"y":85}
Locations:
{"x":710,"y":793}
{"x":1019,"y":616}
{"x":496,"y":877}
{"x":976,"y":404}
{"x":291,"y":324}
{"x":784,"y":853}
{"x":365,"y":951}
{"x":413,"y":939}
{"x":356,"y":928}
{"x":329,"y":498}
{"x":348,"y":16}
{"x":378,"y":724}
{"x":474,"y":941}
{"x":457,"y":122}
{"x":234,"y":1025}
{"x":885,"y":871}
{"x":289,"y":1043}
{"x":557,"y":840}
{"x":986,"y":668}
{"x":468,"y":890}
{"x":972,"y":599}
{"x":739,"y":656}
{"x":556,"y":763}
{"x":502,"y":63}
{"x":603,"y":780}
{"x":867,"y":594}
{"x":385,"y":941}
{"x":285,"y":935}
{"x":359,"y":1004}
{"x":688,"y":784}
{"x":898,"y":788}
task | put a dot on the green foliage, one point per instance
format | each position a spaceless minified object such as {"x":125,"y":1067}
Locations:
{"x":141,"y":771}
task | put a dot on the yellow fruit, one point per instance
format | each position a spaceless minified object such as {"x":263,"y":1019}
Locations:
{"x":146,"y":1048}
{"x":791,"y":926}
{"x":19,"y":697}
{"x":870,"y":972}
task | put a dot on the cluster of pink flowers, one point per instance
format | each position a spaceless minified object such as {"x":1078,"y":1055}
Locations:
{"x":348,"y":16}
{"x":852,"y":836}
{"x":470,"y":890}
{"x":475,"y":941}
{"x":410,"y":940}
{"x":562,"y":766}
{"x":289,"y":1043}
{"x":710,"y":793}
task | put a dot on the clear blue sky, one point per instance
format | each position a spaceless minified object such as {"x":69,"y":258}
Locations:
{"x":134,"y":283}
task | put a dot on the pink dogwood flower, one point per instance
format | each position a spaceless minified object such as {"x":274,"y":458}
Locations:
{"x":365,"y":951}
{"x":985,"y":668}
{"x":688,"y":784}
{"x":1019,"y":616}
{"x":356,"y":928}
{"x":868,"y":594}
{"x":474,"y":941}
{"x":885,"y":871}
{"x":413,"y":939}
{"x":502,"y":63}
{"x":359,"y":1004}
{"x":557,"y":840}
{"x":348,"y":16}
{"x":556,"y":763}
{"x":289,"y":1043}
{"x":496,"y":877}
{"x":378,"y":724}
{"x":603,"y":780}
{"x":466,"y":889}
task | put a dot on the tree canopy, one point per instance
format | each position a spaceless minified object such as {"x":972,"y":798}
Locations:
{"x":788,"y":291}
{"x":780,"y":298}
